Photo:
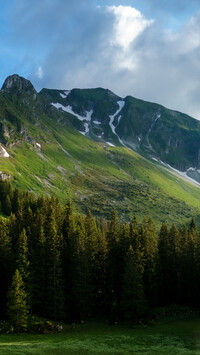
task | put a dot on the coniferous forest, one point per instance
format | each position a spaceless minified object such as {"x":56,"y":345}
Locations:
{"x":66,"y":267}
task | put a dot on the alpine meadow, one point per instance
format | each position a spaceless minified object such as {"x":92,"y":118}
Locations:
{"x":100,"y":177}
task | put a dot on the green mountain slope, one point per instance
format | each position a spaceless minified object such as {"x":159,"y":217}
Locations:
{"x":151,"y":129}
{"x":47,"y":155}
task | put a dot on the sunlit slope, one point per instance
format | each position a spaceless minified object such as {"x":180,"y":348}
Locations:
{"x":100,"y":178}
{"x":148,"y":128}
{"x":47,"y":155}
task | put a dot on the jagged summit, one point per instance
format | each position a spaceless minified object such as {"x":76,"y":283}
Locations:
{"x":18,"y":84}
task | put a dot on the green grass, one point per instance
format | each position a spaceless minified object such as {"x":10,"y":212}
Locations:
{"x":95,"y":176}
{"x":101,"y":178}
{"x":169,"y":336}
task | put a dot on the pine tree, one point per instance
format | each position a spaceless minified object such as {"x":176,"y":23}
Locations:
{"x":83,"y":289}
{"x":16,"y":201}
{"x":38,"y":267}
{"x":17,"y":305}
{"x":20,"y":216}
{"x":7,"y":207}
{"x":169,"y":259}
{"x":69,"y":259}
{"x":22,"y":261}
{"x":69,"y":223}
{"x":100,"y":271}
{"x":149,"y":242}
{"x":163,"y":265}
{"x":54,"y":277}
{"x":133,"y":303}
{"x":113,"y":269}
{"x":6,"y":265}
{"x":136,"y":242}
{"x":91,"y":236}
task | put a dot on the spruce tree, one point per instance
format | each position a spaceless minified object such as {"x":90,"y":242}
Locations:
{"x":54,"y":277}
{"x":163,"y":265}
{"x":113,"y":269}
{"x":7,"y":207}
{"x":16,"y":201}
{"x":100,"y":273}
{"x":22,"y":262}
{"x":149,"y":242}
{"x":133,"y":303}
{"x":6,"y":264}
{"x":17,"y":304}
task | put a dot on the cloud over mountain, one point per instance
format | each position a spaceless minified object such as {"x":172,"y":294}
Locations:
{"x":88,"y":44}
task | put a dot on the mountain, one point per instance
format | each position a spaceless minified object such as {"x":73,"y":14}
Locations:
{"x":150,"y":129}
{"x":42,"y":150}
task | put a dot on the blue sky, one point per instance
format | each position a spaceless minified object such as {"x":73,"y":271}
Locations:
{"x":146,"y":48}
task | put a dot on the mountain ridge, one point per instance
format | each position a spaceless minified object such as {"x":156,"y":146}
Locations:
{"x":148,"y":128}
{"x":47,"y":154}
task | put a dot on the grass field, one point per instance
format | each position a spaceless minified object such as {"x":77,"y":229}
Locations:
{"x":169,"y":336}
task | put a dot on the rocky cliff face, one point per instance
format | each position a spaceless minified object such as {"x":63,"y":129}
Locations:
{"x":18,"y":85}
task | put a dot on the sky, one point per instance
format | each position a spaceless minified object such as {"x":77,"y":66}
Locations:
{"x":149,"y":49}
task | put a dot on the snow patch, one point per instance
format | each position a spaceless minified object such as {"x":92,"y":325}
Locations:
{"x":81,"y":118}
{"x":38,"y":145}
{"x":86,"y":125}
{"x":182,"y":173}
{"x":96,"y":122}
{"x":112,"y":117}
{"x":112,"y":145}
{"x":69,"y":110}
{"x":66,"y":93}
{"x":62,"y":95}
{"x":153,"y":123}
{"x":5,"y":154}
{"x":118,"y":119}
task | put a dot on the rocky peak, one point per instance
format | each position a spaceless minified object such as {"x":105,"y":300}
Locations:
{"x":18,"y":85}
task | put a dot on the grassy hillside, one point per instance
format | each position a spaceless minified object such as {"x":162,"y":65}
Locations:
{"x":100,"y":178}
{"x":147,"y":127}
{"x":47,"y":155}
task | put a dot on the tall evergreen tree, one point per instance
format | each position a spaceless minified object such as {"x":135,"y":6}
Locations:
{"x":22,"y":262}
{"x":7,"y":207}
{"x":163,"y":265}
{"x":149,"y":243}
{"x":6,"y":265}
{"x":133,"y":303}
{"x":54,"y":277}
{"x":100,"y":272}
{"x":17,"y":305}
{"x":113,"y":270}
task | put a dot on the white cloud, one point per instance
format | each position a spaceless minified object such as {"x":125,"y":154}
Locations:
{"x":40,"y":73}
{"x":117,"y":47}
{"x":128,"y":24}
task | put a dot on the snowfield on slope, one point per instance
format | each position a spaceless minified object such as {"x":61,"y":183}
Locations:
{"x":68,"y":109}
{"x":121,"y":104}
{"x":5,"y":153}
{"x":182,"y":174}
{"x":66,"y":93}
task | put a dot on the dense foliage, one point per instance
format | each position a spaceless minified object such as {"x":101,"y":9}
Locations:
{"x":63,"y":266}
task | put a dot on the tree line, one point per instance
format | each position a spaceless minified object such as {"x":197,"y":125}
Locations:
{"x":63,"y":266}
